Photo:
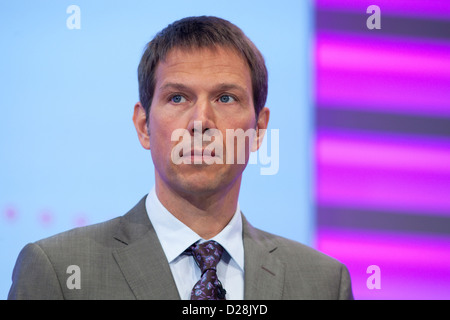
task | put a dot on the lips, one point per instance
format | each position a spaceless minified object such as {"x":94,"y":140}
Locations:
{"x":198,"y":156}
{"x":197,"y":152}
{"x":200,"y":153}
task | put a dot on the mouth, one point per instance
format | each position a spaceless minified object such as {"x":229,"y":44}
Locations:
{"x":198,"y":156}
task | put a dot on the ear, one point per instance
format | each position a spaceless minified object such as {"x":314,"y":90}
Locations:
{"x":261,"y":127}
{"x":140,"y":123}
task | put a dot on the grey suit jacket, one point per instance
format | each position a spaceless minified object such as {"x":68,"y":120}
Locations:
{"x":123,"y":259}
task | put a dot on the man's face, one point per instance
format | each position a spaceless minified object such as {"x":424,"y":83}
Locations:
{"x":205,"y":88}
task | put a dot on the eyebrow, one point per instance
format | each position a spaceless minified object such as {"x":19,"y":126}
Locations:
{"x":220,"y":87}
{"x":173,"y":85}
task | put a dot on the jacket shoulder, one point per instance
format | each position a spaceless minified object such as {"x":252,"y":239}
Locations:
{"x":104,"y":234}
{"x":43,"y":268}
{"x":99,"y":234}
{"x":311,"y":273}
{"x":296,"y":250}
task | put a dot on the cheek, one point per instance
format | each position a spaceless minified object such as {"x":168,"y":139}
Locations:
{"x":245,"y":124}
{"x":160,"y":138}
{"x":164,"y":137}
{"x":239,"y":140}
{"x":157,"y":133}
{"x":243,"y":118}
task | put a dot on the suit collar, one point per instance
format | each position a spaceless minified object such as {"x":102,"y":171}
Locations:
{"x":134,"y":224}
{"x":141,"y":254}
{"x":264,"y":273}
{"x":175,"y":236}
{"x":141,"y":258}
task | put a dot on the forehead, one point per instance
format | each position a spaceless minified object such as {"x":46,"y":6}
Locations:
{"x":207,"y":65}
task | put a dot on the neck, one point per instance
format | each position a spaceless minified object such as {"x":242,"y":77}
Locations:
{"x":206,"y":214}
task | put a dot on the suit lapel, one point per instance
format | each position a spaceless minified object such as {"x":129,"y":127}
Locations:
{"x":142,"y":259}
{"x":146,"y":270}
{"x":264,"y":273}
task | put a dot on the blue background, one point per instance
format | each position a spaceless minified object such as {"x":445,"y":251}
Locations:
{"x":69,"y":154}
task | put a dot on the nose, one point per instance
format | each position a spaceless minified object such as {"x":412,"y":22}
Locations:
{"x":202,"y":118}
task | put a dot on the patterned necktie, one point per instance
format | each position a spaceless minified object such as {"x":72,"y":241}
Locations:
{"x":207,"y":255}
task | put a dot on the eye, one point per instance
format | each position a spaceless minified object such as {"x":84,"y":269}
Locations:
{"x":226,"y":98}
{"x":178,"y":98}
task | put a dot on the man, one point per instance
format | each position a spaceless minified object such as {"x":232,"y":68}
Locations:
{"x":187,"y":239}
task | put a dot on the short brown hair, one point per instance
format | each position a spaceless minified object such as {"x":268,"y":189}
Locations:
{"x":201,"y":32}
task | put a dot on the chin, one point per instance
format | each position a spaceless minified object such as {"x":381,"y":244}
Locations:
{"x":199,"y":180}
{"x":203,"y":183}
{"x":197,"y":185}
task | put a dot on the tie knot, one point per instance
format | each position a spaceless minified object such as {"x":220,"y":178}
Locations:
{"x":207,"y":254}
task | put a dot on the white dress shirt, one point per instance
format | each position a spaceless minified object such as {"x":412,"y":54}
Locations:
{"x":175,"y":237}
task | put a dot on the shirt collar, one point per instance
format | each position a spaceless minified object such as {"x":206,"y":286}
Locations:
{"x":175,"y":237}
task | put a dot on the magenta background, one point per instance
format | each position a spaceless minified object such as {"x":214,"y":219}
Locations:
{"x":382,"y":102}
